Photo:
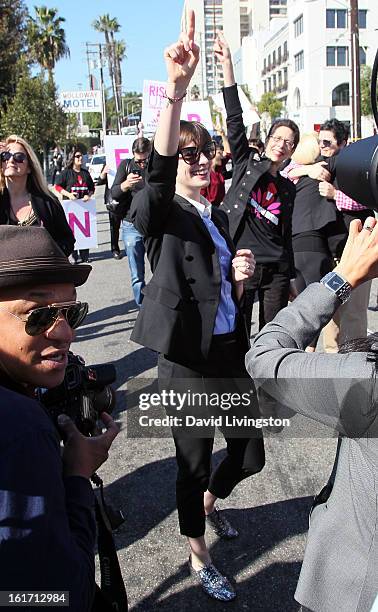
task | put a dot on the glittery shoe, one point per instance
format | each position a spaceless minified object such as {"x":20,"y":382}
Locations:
{"x":213,"y":583}
{"x":220,"y":525}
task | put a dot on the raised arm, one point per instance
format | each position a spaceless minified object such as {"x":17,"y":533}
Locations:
{"x":235,"y":127}
{"x":151,"y":205}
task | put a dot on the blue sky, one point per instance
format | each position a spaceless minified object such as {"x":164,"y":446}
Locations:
{"x":147,"y":26}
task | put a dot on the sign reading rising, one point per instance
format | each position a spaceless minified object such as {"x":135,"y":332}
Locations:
{"x":80,"y":101}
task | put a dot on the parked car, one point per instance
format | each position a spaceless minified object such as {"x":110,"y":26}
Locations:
{"x":95,"y":167}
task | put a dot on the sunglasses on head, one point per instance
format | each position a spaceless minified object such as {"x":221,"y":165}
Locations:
{"x":191,"y":155}
{"x":41,"y":319}
{"x":18,"y":157}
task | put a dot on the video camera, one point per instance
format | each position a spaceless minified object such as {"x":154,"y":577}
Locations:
{"x":83,"y":394}
{"x":357,"y":164}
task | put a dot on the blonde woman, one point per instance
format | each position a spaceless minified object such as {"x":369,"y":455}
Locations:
{"x":25,"y":198}
{"x":313,"y":219}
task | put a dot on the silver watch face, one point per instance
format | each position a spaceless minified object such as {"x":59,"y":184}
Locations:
{"x":335,"y":282}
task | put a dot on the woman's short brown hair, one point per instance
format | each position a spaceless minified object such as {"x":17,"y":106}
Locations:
{"x":193,"y":131}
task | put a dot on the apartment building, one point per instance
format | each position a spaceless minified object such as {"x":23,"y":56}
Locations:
{"x":305,"y":59}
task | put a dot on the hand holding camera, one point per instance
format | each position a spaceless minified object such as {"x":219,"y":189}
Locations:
{"x":82,"y":456}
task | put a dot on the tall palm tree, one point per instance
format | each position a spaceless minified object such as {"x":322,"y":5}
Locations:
{"x":108,"y":26}
{"x":47,"y":38}
{"x":119,"y":56}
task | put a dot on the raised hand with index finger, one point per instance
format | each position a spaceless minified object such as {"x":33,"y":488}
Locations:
{"x":182,"y":57}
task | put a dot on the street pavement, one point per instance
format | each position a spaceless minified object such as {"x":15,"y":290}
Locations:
{"x":270,"y":510}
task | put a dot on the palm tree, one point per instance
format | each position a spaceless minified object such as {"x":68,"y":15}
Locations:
{"x":47,"y":38}
{"x":119,"y":56}
{"x":108,"y":26}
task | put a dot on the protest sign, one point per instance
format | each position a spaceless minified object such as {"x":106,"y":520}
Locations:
{"x":81,"y":217}
{"x":117,"y":148}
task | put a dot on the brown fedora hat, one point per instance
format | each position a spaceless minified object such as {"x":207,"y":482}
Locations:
{"x":28,"y":255}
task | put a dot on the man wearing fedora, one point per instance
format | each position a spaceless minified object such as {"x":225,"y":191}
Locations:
{"x":47,"y":525}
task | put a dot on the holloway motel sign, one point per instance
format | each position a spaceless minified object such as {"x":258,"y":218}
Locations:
{"x":80,"y":101}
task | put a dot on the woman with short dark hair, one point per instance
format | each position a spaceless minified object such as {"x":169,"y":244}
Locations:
{"x":190,"y":314}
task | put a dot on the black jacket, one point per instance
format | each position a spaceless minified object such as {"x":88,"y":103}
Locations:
{"x":180,"y":302}
{"x":311,"y":210}
{"x":49,"y":213}
{"x":126,"y":167}
{"x":246,"y":173}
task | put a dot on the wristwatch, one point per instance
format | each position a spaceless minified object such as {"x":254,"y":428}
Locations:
{"x":338,"y":285}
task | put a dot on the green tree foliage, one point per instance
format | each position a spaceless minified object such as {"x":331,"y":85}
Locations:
{"x":47,"y":38}
{"x":12,"y":45}
{"x":270,"y":104}
{"x":365,"y":85}
{"x":34,"y":114}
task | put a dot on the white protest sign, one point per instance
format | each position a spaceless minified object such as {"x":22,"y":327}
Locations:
{"x":80,"y":101}
{"x":117,"y":148}
{"x":198,"y":111}
{"x":81,"y":217}
{"x":250,"y":116}
{"x":152,"y":102}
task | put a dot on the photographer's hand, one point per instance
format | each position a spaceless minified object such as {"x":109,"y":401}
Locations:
{"x":82,"y":456}
{"x":359,"y":261}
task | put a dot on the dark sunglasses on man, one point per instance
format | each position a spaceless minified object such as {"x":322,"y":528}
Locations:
{"x":325,"y":143}
{"x":191,"y":155}
{"x":41,"y":319}
{"x":141,"y":162}
{"x":19,"y":157}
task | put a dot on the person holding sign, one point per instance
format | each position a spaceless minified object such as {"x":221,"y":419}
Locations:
{"x":190,"y":313}
{"x":75,"y":183}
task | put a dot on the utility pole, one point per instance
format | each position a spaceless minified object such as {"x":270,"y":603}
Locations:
{"x":355,"y":67}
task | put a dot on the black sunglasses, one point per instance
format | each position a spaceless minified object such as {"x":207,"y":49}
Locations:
{"x":78,"y":155}
{"x":139,"y":162}
{"x":326,"y":143}
{"x":18,"y":157}
{"x":191,"y":155}
{"x":40,"y":319}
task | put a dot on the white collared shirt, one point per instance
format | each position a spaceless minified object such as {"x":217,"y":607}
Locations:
{"x":203,"y":206}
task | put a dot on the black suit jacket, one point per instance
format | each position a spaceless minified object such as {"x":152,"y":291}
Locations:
{"x":180,"y":302}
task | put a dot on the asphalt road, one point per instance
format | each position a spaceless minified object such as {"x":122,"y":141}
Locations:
{"x":270,"y":509}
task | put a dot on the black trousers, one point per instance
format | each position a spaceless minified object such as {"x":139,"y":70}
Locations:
{"x":245,"y":456}
{"x":272,"y":283}
{"x":115,"y":224}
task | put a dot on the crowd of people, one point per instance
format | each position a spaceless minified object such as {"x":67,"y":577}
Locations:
{"x":282,"y":232}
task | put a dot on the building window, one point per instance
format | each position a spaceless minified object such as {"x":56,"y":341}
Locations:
{"x":269,"y":63}
{"x":336,"y":18}
{"x":362,"y":56}
{"x":362,"y":18}
{"x":340,"y":95}
{"x":297,"y":99}
{"x":285,"y":53}
{"x":299,"y":61}
{"x":279,"y":58}
{"x":337,"y":56}
{"x":298,"y":26}
{"x":265,"y":89}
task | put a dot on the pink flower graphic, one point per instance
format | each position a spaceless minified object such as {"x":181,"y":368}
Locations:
{"x":267,"y":199}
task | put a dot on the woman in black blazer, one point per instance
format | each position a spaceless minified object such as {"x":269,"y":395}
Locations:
{"x":190,"y":312}
{"x":25,"y":198}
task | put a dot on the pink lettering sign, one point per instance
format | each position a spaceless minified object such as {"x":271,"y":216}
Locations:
{"x":85,"y":229}
{"x":194,"y":117}
{"x":120,"y":154}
